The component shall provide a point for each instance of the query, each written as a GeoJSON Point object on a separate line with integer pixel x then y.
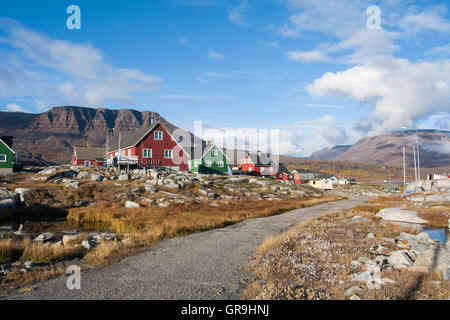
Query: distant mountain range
{"type": "Point", "coordinates": [387, 149]}
{"type": "Point", "coordinates": [53, 134]}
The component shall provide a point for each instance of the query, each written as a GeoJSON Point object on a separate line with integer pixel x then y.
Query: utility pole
{"type": "Point", "coordinates": [107, 145]}
{"type": "Point", "coordinates": [415, 164]}
{"type": "Point", "coordinates": [418, 159]}
{"type": "Point", "coordinates": [390, 185]}
{"type": "Point", "coordinates": [118, 160]}
{"type": "Point", "coordinates": [404, 169]}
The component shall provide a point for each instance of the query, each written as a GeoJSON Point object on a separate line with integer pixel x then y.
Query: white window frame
{"type": "Point", "coordinates": [214, 152]}
{"type": "Point", "coordinates": [262, 169]}
{"type": "Point", "coordinates": [221, 164]}
{"type": "Point", "coordinates": [168, 151]}
{"type": "Point", "coordinates": [4, 155]}
{"type": "Point", "coordinates": [147, 153]}
{"type": "Point", "coordinates": [250, 169]}
{"type": "Point", "coordinates": [208, 163]}
{"type": "Point", "coordinates": [158, 135]}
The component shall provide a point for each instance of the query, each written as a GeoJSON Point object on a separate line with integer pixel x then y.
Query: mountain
{"type": "Point", "coordinates": [52, 134]}
{"type": "Point", "coordinates": [387, 149]}
{"type": "Point", "coordinates": [330, 153]}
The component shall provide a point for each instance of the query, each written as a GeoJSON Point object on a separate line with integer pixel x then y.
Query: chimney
{"type": "Point", "coordinates": [208, 142]}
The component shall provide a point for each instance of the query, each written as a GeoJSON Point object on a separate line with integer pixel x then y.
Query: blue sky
{"type": "Point", "coordinates": [311, 69]}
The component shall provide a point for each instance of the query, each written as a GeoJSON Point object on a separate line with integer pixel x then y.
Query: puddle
{"type": "Point", "coordinates": [440, 234]}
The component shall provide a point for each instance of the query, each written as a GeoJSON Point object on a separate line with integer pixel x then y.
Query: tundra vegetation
{"type": "Point", "coordinates": [332, 257]}
{"type": "Point", "coordinates": [94, 217]}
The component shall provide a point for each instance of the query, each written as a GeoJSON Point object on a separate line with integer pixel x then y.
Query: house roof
{"type": "Point", "coordinates": [302, 170]}
{"type": "Point", "coordinates": [133, 138]}
{"type": "Point", "coordinates": [282, 168]}
{"type": "Point", "coordinates": [90, 153]}
{"type": "Point", "coordinates": [262, 159]}
{"type": "Point", "coordinates": [7, 146]}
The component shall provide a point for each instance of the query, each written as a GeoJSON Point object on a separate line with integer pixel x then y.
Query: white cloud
{"type": "Point", "coordinates": [441, 50]}
{"type": "Point", "coordinates": [237, 16]}
{"type": "Point", "coordinates": [14, 107]}
{"type": "Point", "coordinates": [62, 72]}
{"type": "Point", "coordinates": [308, 56]}
{"type": "Point", "coordinates": [429, 19]}
{"type": "Point", "coordinates": [400, 92]}
{"type": "Point", "coordinates": [215, 55]}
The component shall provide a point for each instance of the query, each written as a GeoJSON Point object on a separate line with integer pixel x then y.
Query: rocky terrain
{"type": "Point", "coordinates": [378, 251]}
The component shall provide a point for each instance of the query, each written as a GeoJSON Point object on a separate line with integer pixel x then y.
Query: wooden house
{"type": "Point", "coordinates": [89, 156]}
{"type": "Point", "coordinates": [150, 146]}
{"type": "Point", "coordinates": [6, 154]}
{"type": "Point", "coordinates": [208, 159]}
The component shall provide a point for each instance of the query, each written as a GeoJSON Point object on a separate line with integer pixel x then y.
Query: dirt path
{"type": "Point", "coordinates": [206, 265]}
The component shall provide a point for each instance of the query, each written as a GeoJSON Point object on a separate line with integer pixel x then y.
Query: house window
{"type": "Point", "coordinates": [208, 163]}
{"type": "Point", "coordinates": [147, 153]}
{"type": "Point", "coordinates": [270, 169]}
{"type": "Point", "coordinates": [87, 163]}
{"type": "Point", "coordinates": [262, 169]}
{"type": "Point", "coordinates": [196, 163]}
{"type": "Point", "coordinates": [250, 169]}
{"type": "Point", "coordinates": [214, 152]}
{"type": "Point", "coordinates": [220, 164]}
{"type": "Point", "coordinates": [168, 154]}
{"type": "Point", "coordinates": [2, 157]}
{"type": "Point", "coordinates": [158, 135]}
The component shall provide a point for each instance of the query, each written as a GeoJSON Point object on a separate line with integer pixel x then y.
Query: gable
{"type": "Point", "coordinates": [6, 147]}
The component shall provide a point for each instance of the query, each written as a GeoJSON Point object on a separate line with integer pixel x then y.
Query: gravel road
{"type": "Point", "coordinates": [207, 265]}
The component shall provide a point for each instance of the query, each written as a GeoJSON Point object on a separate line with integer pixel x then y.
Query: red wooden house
{"type": "Point", "coordinates": [150, 146]}
{"type": "Point", "coordinates": [89, 156]}
{"type": "Point", "coordinates": [263, 164]}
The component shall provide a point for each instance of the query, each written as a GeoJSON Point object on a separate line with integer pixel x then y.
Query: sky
{"type": "Point", "coordinates": [318, 72]}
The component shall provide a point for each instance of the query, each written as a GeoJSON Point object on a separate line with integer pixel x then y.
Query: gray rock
{"type": "Point", "coordinates": [4, 270]}
{"type": "Point", "coordinates": [360, 277]}
{"type": "Point", "coordinates": [97, 177]}
{"type": "Point", "coordinates": [355, 297]}
{"type": "Point", "coordinates": [48, 236]}
{"type": "Point", "coordinates": [131, 204]}
{"type": "Point", "coordinates": [8, 203]}
{"type": "Point", "coordinates": [29, 264]}
{"type": "Point", "coordinates": [239, 180]}
{"type": "Point", "coordinates": [353, 290]}
{"type": "Point", "coordinates": [83, 175]}
{"type": "Point", "coordinates": [400, 259]}
{"type": "Point", "coordinates": [447, 274]}
{"type": "Point", "coordinates": [436, 198]}
{"type": "Point", "coordinates": [74, 184]}
{"type": "Point", "coordinates": [358, 218]}
{"type": "Point", "coordinates": [68, 238]}
{"type": "Point", "coordinates": [401, 215]}
{"type": "Point", "coordinates": [124, 177]}
{"type": "Point", "coordinates": [138, 190]}
{"type": "Point", "coordinates": [371, 235]}
{"type": "Point", "coordinates": [89, 244]}
{"type": "Point", "coordinates": [57, 244]}
{"type": "Point", "coordinates": [99, 236]}
{"type": "Point", "coordinates": [151, 189]}
{"type": "Point", "coordinates": [24, 193]}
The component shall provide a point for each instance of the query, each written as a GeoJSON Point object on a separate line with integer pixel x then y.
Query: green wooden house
{"type": "Point", "coordinates": [6, 154]}
{"type": "Point", "coordinates": [208, 159]}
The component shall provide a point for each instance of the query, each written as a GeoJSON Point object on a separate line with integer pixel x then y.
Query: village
{"type": "Point", "coordinates": [116, 200]}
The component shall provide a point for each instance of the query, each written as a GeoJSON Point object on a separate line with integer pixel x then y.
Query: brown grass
{"type": "Point", "coordinates": [316, 254]}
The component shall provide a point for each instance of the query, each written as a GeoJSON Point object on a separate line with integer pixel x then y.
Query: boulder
{"type": "Point", "coordinates": [150, 188]}
{"type": "Point", "coordinates": [353, 290]}
{"type": "Point", "coordinates": [99, 236]}
{"type": "Point", "coordinates": [74, 184]}
{"type": "Point", "coordinates": [83, 175]}
{"type": "Point", "coordinates": [89, 244]}
{"type": "Point", "coordinates": [97, 177]}
{"type": "Point", "coordinates": [131, 204]}
{"type": "Point", "coordinates": [124, 177]}
{"type": "Point", "coordinates": [24, 193]}
{"type": "Point", "coordinates": [7, 202]}
{"type": "Point", "coordinates": [68, 238]}
{"type": "Point", "coordinates": [400, 259]}
{"type": "Point", "coordinates": [29, 264]}
{"type": "Point", "coordinates": [47, 171]}
{"type": "Point", "coordinates": [48, 236]}
{"type": "Point", "coordinates": [401, 215]}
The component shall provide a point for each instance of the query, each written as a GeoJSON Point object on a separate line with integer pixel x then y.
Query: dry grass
{"type": "Point", "coordinates": [149, 225]}
{"type": "Point", "coordinates": [27, 250]}
{"type": "Point", "coordinates": [317, 255]}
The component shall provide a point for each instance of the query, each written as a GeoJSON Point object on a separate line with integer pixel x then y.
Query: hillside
{"type": "Point", "coordinates": [387, 149]}
{"type": "Point", "coordinates": [330, 153]}
{"type": "Point", "coordinates": [52, 134]}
